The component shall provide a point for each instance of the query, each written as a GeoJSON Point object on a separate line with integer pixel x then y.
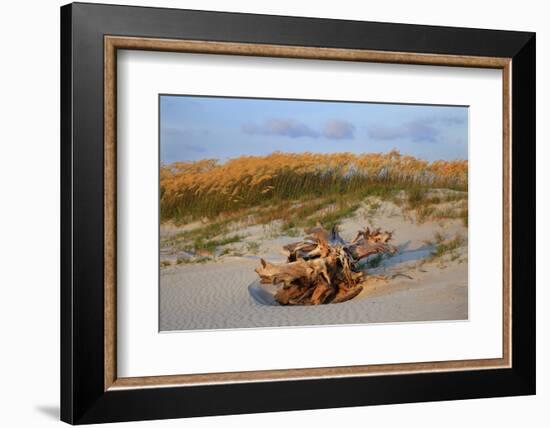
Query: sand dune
{"type": "Point", "coordinates": [215, 295]}
{"type": "Point", "coordinates": [194, 298]}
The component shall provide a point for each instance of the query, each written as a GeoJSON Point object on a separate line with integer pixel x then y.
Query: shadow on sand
{"type": "Point", "coordinates": [404, 255]}
{"type": "Point", "coordinates": [265, 294]}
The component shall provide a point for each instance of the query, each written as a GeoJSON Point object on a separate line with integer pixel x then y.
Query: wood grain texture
{"type": "Point", "coordinates": [297, 374]}
{"type": "Point", "coordinates": [507, 213]}
{"type": "Point", "coordinates": [110, 184]}
{"type": "Point", "coordinates": [112, 43]}
{"type": "Point", "coordinates": [301, 52]}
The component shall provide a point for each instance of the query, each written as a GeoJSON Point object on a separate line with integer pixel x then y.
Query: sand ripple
{"type": "Point", "coordinates": [215, 296]}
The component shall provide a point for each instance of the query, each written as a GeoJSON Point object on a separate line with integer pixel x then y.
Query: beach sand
{"type": "Point", "coordinates": [405, 288]}
{"type": "Point", "coordinates": [194, 298]}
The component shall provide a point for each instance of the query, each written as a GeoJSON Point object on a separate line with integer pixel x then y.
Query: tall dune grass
{"type": "Point", "coordinates": [207, 188]}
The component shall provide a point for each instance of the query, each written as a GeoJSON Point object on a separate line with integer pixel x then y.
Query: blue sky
{"type": "Point", "coordinates": [194, 127]}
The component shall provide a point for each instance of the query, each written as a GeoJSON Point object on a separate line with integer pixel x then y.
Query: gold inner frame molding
{"type": "Point", "coordinates": [113, 43]}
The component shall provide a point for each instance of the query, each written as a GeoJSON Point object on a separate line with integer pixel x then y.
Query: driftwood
{"type": "Point", "coordinates": [323, 267]}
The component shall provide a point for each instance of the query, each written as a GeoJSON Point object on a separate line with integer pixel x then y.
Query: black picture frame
{"type": "Point", "coordinates": [83, 397]}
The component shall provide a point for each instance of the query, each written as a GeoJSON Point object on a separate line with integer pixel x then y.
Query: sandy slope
{"type": "Point", "coordinates": [215, 295]}
{"type": "Point", "coordinates": [195, 298]}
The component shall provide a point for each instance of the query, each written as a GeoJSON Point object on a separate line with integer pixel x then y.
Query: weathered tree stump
{"type": "Point", "coordinates": [323, 267]}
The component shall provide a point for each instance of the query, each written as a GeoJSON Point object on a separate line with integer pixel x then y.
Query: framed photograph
{"type": "Point", "coordinates": [265, 213]}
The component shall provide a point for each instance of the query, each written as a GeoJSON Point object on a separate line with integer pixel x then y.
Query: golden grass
{"type": "Point", "coordinates": [206, 188]}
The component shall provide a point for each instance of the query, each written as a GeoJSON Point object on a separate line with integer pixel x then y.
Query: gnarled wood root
{"type": "Point", "coordinates": [322, 268]}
